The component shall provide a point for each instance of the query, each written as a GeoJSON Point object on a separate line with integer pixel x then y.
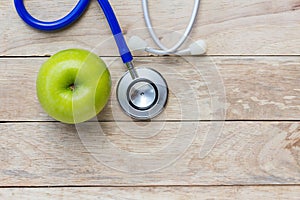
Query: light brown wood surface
{"type": "Point", "coordinates": [230, 130]}
{"type": "Point", "coordinates": [253, 88]}
{"type": "Point", "coordinates": [53, 154]}
{"type": "Point", "coordinates": [154, 193]}
{"type": "Point", "coordinates": [230, 27]}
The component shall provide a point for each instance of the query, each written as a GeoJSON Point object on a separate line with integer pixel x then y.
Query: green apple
{"type": "Point", "coordinates": [73, 85]}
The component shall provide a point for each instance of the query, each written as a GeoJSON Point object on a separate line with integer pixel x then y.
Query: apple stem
{"type": "Point", "coordinates": [72, 87]}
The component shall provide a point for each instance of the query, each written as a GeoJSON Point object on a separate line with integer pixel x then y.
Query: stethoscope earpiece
{"type": "Point", "coordinates": [196, 48]}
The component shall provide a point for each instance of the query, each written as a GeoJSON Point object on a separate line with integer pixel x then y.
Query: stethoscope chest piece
{"type": "Point", "coordinates": [144, 96]}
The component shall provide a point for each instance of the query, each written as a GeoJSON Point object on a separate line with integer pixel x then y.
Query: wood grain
{"type": "Point", "coordinates": [188, 152]}
{"type": "Point", "coordinates": [52, 154]}
{"type": "Point", "coordinates": [154, 193]}
{"type": "Point", "coordinates": [256, 27]}
{"type": "Point", "coordinates": [254, 88]}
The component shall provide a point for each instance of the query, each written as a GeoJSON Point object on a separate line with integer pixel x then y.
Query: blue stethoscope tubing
{"type": "Point", "coordinates": [73, 16]}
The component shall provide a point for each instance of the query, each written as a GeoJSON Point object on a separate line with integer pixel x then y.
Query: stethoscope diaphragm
{"type": "Point", "coordinates": [143, 97]}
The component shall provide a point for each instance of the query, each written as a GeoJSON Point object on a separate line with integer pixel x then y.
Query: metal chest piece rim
{"type": "Point", "coordinates": [144, 97]}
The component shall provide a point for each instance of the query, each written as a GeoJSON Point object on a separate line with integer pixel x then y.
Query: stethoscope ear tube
{"type": "Point", "coordinates": [54, 25]}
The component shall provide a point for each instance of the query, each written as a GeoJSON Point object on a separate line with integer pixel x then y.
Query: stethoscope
{"type": "Point", "coordinates": [142, 92]}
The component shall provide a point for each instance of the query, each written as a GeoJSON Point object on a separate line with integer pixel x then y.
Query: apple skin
{"type": "Point", "coordinates": [73, 85]}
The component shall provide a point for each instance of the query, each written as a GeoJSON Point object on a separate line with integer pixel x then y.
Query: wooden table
{"type": "Point", "coordinates": [252, 70]}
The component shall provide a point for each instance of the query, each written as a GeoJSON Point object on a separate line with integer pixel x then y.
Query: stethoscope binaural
{"type": "Point", "coordinates": [142, 92]}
